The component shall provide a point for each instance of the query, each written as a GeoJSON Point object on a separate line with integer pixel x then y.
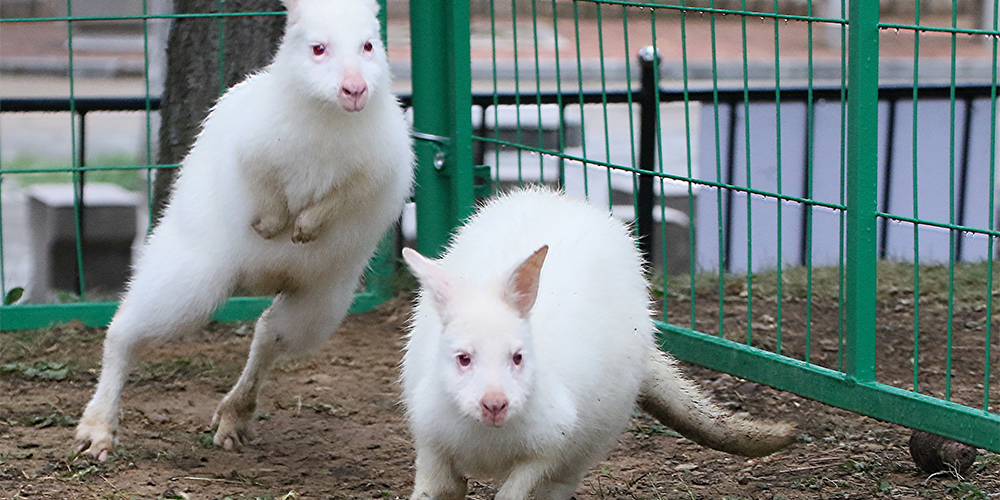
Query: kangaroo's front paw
{"type": "Point", "coordinates": [95, 437]}
{"type": "Point", "coordinates": [268, 226]}
{"type": "Point", "coordinates": [306, 229]}
{"type": "Point", "coordinates": [234, 427]}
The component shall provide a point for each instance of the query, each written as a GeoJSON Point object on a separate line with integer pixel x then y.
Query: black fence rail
{"type": "Point", "coordinates": [730, 101]}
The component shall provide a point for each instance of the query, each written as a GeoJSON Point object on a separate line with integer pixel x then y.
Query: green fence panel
{"type": "Point", "coordinates": [737, 295]}
{"type": "Point", "coordinates": [379, 281]}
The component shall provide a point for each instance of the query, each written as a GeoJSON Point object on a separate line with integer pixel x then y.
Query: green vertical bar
{"type": "Point", "coordinates": [3, 273]}
{"type": "Point", "coordinates": [916, 201]}
{"type": "Point", "coordinates": [442, 100]}
{"type": "Point", "coordinates": [631, 115]}
{"type": "Point", "coordinates": [149, 120]}
{"type": "Point", "coordinates": [221, 48]}
{"type": "Point", "coordinates": [720, 229]}
{"type": "Point", "coordinates": [992, 223]}
{"type": "Point", "coordinates": [777, 148]}
{"type": "Point", "coordinates": [748, 158]}
{"type": "Point", "coordinates": [690, 175]}
{"type": "Point", "coordinates": [953, 236]}
{"type": "Point", "coordinates": [862, 179]}
{"type": "Point", "coordinates": [810, 136]}
{"type": "Point", "coordinates": [378, 277]}
{"type": "Point", "coordinates": [77, 158]}
{"type": "Point", "coordinates": [538, 91]}
{"type": "Point", "coordinates": [496, 105]}
{"type": "Point", "coordinates": [517, 95]}
{"type": "Point", "coordinates": [604, 105]}
{"type": "Point", "coordinates": [383, 22]}
{"type": "Point", "coordinates": [842, 188]}
{"type": "Point", "coordinates": [579, 82]}
{"type": "Point", "coordinates": [559, 96]}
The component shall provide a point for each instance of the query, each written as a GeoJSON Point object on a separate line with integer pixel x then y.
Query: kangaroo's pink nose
{"type": "Point", "coordinates": [494, 406]}
{"type": "Point", "coordinates": [353, 93]}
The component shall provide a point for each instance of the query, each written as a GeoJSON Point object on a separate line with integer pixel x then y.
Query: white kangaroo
{"type": "Point", "coordinates": [297, 173]}
{"type": "Point", "coordinates": [531, 342]}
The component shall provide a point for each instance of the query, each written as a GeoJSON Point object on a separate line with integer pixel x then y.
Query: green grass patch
{"type": "Point", "coordinates": [174, 370]}
{"type": "Point", "coordinates": [44, 370]}
{"type": "Point", "coordinates": [130, 179]}
{"type": "Point", "coordinates": [63, 352]}
{"type": "Point", "coordinates": [896, 281]}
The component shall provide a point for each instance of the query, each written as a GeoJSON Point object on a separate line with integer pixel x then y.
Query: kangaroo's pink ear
{"type": "Point", "coordinates": [522, 286]}
{"type": "Point", "coordinates": [433, 279]}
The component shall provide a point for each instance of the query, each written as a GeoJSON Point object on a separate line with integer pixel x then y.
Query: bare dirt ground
{"type": "Point", "coordinates": [329, 426]}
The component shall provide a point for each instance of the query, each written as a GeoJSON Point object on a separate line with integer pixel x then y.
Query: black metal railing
{"type": "Point", "coordinates": [732, 100]}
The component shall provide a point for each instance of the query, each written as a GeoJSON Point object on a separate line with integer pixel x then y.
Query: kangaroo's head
{"type": "Point", "coordinates": [332, 50]}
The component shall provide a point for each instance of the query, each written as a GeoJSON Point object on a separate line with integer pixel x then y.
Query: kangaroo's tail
{"type": "Point", "coordinates": [679, 404]}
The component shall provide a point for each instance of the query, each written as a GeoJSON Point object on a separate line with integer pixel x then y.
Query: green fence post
{"type": "Point", "coordinates": [862, 180]}
{"type": "Point", "coordinates": [442, 118]}
{"type": "Point", "coordinates": [379, 286]}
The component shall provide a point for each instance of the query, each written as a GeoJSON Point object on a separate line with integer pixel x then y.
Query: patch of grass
{"type": "Point", "coordinates": [133, 180]}
{"type": "Point", "coordinates": [53, 419]}
{"type": "Point", "coordinates": [174, 370]}
{"type": "Point", "coordinates": [643, 430]}
{"type": "Point", "coordinates": [895, 284]}
{"type": "Point", "coordinates": [35, 353]}
{"type": "Point", "coordinates": [45, 370]}
{"type": "Point", "coordinates": [985, 461]}
{"type": "Point", "coordinates": [965, 491]}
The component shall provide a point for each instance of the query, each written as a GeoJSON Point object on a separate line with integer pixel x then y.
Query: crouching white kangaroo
{"type": "Point", "coordinates": [531, 343]}
{"type": "Point", "coordinates": [297, 173]}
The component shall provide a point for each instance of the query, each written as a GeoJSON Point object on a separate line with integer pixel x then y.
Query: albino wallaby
{"type": "Point", "coordinates": [314, 148]}
{"type": "Point", "coordinates": [530, 344]}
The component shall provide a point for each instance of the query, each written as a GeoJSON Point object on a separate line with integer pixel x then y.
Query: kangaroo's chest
{"type": "Point", "coordinates": [318, 163]}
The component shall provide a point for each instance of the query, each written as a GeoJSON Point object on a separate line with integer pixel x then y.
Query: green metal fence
{"type": "Point", "coordinates": [80, 302]}
{"type": "Point", "coordinates": [762, 153]}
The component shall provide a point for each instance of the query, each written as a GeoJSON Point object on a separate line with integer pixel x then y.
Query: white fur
{"type": "Point", "coordinates": [342, 177]}
{"type": "Point", "coordinates": [585, 344]}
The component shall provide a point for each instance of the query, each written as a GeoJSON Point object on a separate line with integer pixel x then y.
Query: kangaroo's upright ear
{"type": "Point", "coordinates": [292, 6]}
{"type": "Point", "coordinates": [435, 281]}
{"type": "Point", "coordinates": [373, 5]}
{"type": "Point", "coordinates": [522, 286]}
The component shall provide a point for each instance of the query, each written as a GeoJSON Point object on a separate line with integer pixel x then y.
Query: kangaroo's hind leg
{"type": "Point", "coordinates": [295, 323]}
{"type": "Point", "coordinates": [173, 290]}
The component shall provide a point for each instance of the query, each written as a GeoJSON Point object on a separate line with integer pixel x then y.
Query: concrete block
{"type": "Point", "coordinates": [109, 229]}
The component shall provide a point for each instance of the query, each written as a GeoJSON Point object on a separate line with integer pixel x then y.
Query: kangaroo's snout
{"type": "Point", "coordinates": [494, 405]}
{"type": "Point", "coordinates": [353, 93]}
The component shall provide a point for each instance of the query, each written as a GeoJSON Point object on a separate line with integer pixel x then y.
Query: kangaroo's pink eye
{"type": "Point", "coordinates": [516, 358]}
{"type": "Point", "coordinates": [318, 49]}
{"type": "Point", "coordinates": [464, 359]}
{"type": "Point", "coordinates": [369, 47]}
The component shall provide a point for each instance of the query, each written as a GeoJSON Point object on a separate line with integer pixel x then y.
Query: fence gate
{"type": "Point", "coordinates": [817, 202]}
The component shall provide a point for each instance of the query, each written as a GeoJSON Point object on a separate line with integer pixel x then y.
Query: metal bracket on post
{"type": "Point", "coordinates": [439, 142]}
{"type": "Point", "coordinates": [649, 100]}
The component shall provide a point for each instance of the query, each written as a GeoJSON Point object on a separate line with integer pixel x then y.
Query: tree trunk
{"type": "Point", "coordinates": [194, 70]}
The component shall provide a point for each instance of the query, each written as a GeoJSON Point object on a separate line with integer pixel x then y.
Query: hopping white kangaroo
{"type": "Point", "coordinates": [530, 345]}
{"type": "Point", "coordinates": [297, 173]}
